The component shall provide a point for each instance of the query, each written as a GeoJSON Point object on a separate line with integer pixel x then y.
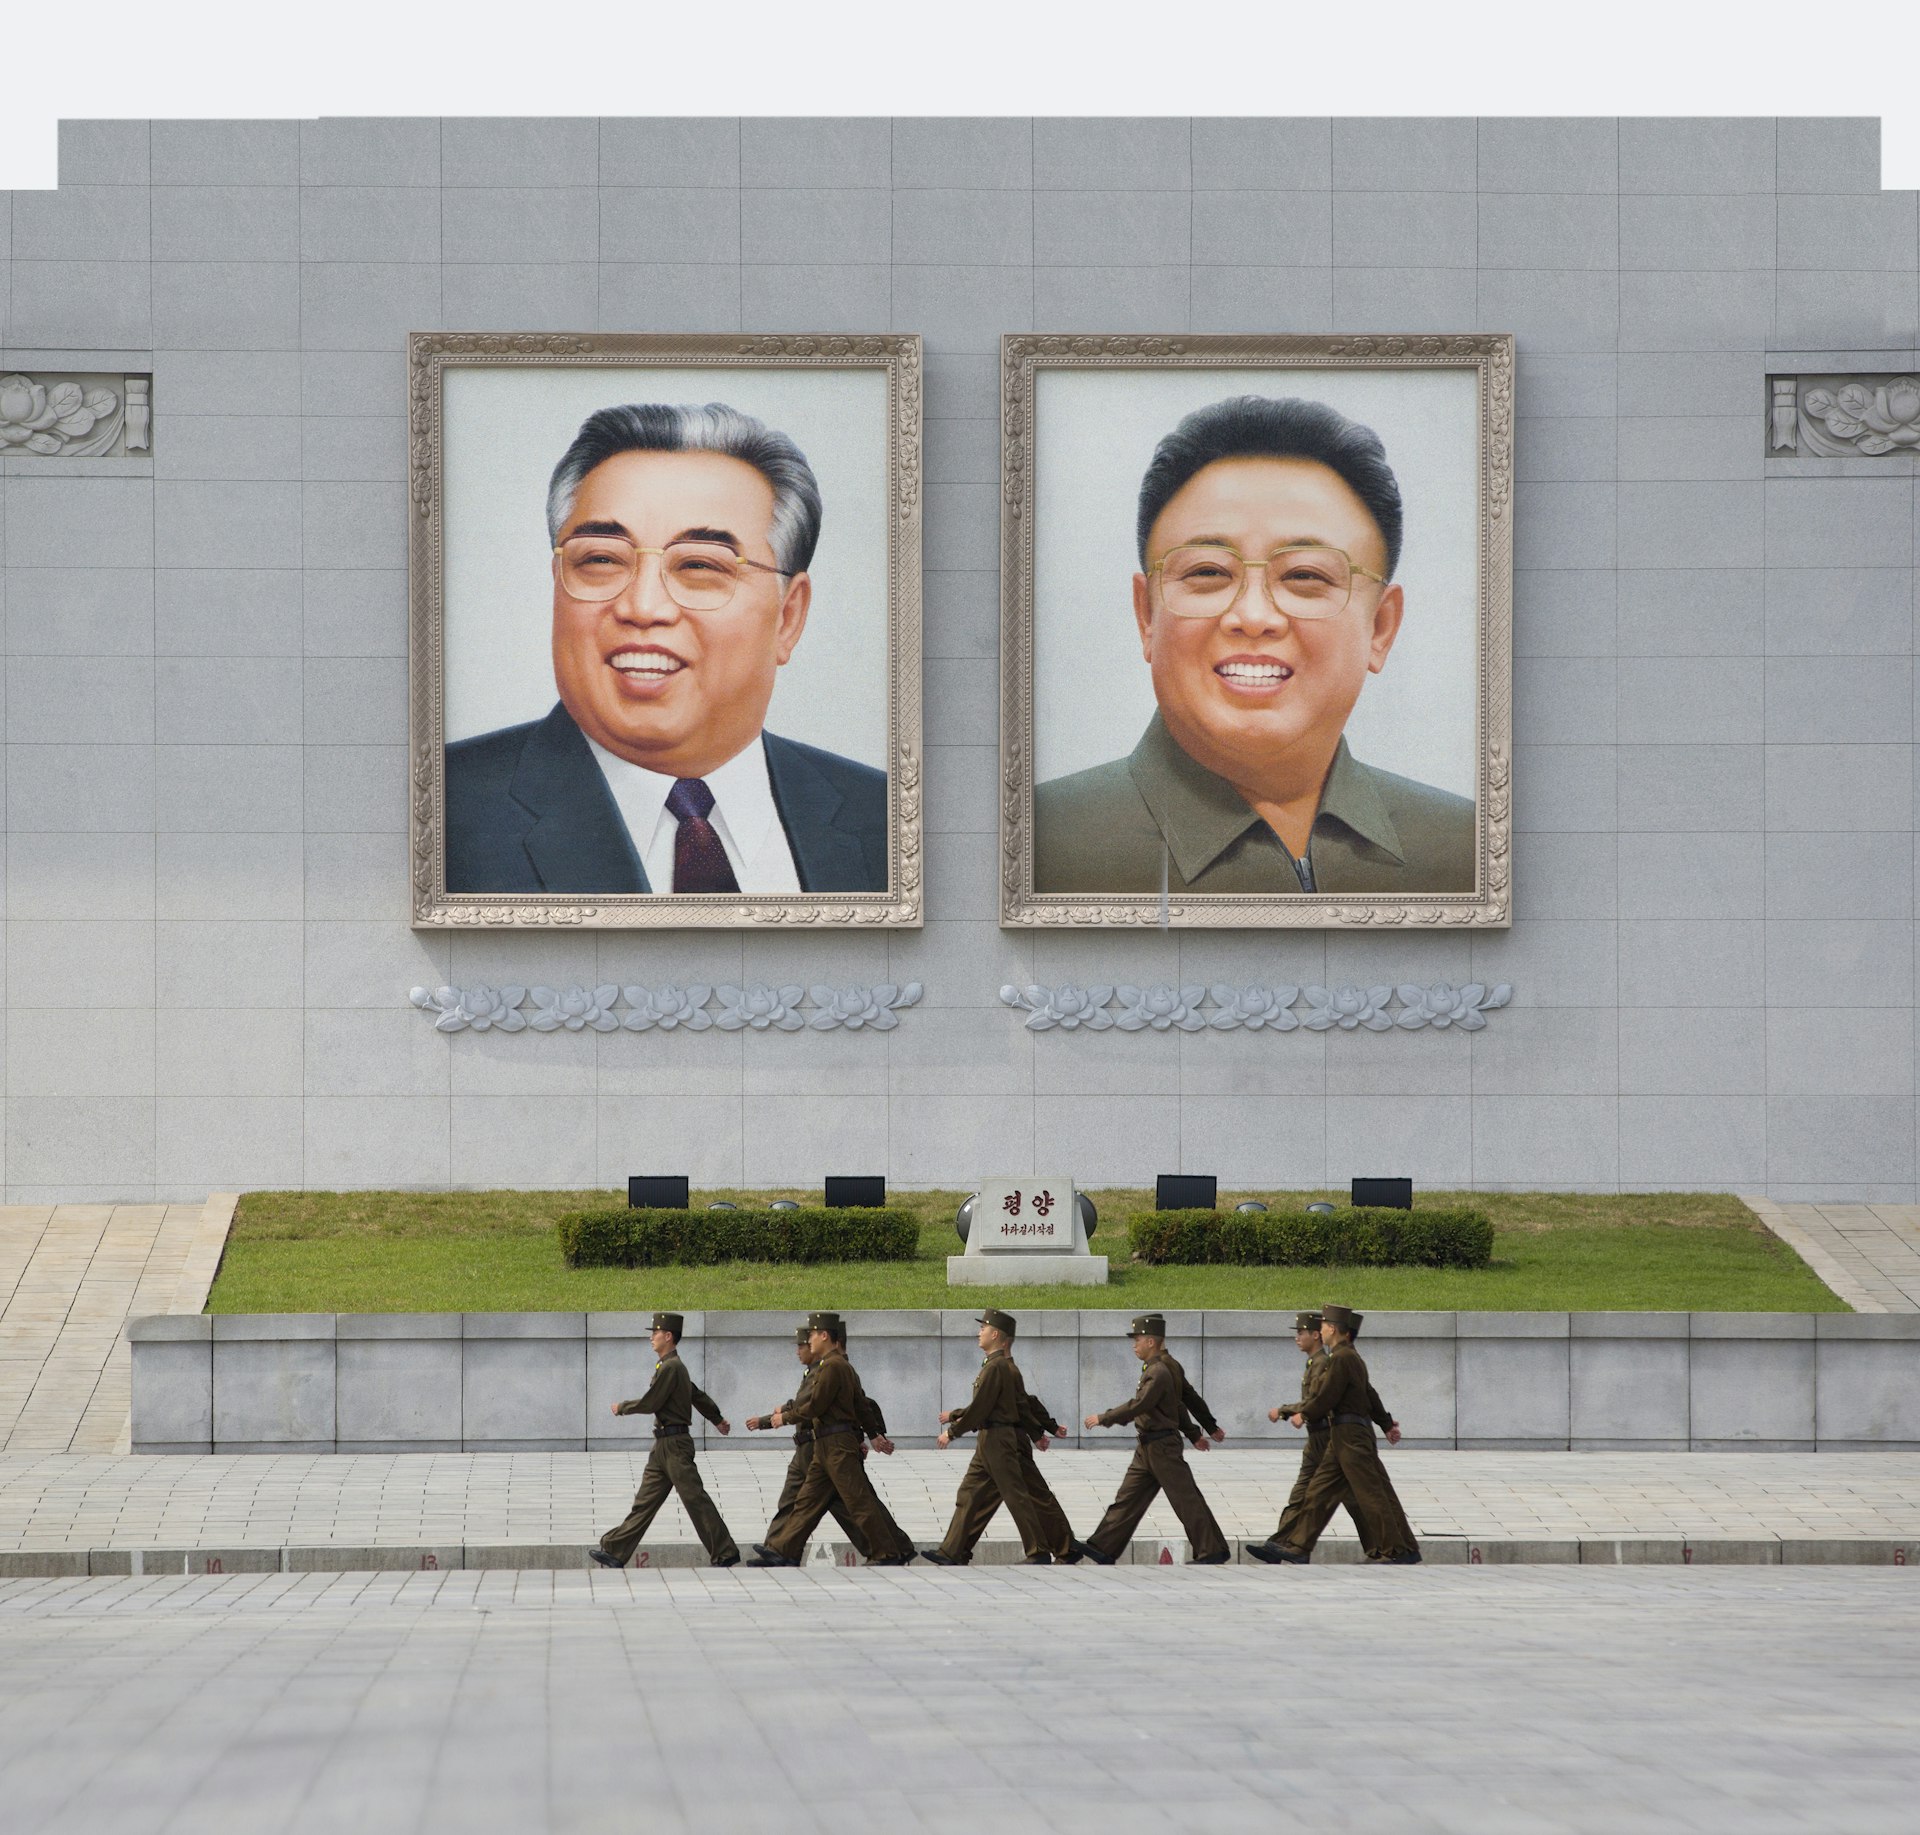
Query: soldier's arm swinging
{"type": "Point", "coordinates": [656, 1393]}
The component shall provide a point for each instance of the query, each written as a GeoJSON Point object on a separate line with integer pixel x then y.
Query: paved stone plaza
{"type": "Point", "coordinates": [541, 1509]}
{"type": "Point", "coordinates": [1869, 1254]}
{"type": "Point", "coordinates": [1005, 1699]}
{"type": "Point", "coordinates": [71, 1275]}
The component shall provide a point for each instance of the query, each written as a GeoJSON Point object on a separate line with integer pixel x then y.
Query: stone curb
{"type": "Point", "coordinates": [1440, 1551]}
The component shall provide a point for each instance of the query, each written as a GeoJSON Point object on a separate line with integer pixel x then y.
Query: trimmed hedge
{"type": "Point", "coordinates": [1350, 1237]}
{"type": "Point", "coordinates": [697, 1239]}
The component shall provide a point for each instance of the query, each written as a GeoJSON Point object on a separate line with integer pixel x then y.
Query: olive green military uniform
{"type": "Point", "coordinates": [1311, 1377]}
{"type": "Point", "coordinates": [997, 1472]}
{"type": "Point", "coordinates": [1349, 1470]}
{"type": "Point", "coordinates": [802, 1461]}
{"type": "Point", "coordinates": [835, 1405]}
{"type": "Point", "coordinates": [1037, 1419]}
{"type": "Point", "coordinates": [1159, 1461]}
{"type": "Point", "coordinates": [671, 1399]}
{"type": "Point", "coordinates": [1119, 826]}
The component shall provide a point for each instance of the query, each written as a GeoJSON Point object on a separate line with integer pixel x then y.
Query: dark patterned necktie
{"type": "Point", "coordinates": [700, 861]}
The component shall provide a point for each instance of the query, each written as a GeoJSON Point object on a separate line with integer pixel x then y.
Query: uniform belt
{"type": "Point", "coordinates": [836, 1427]}
{"type": "Point", "coordinates": [1352, 1420]}
{"type": "Point", "coordinates": [1158, 1433]}
{"type": "Point", "coordinates": [670, 1433]}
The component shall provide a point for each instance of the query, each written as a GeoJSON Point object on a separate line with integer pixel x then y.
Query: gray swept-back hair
{"type": "Point", "coordinates": [656, 427]}
{"type": "Point", "coordinates": [1268, 427]}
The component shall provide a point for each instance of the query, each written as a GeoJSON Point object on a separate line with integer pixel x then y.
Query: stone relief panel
{"type": "Point", "coordinates": [754, 1008]}
{"type": "Point", "coordinates": [59, 414]}
{"type": "Point", "coordinates": [1282, 1009]}
{"type": "Point", "coordinates": [1870, 415]}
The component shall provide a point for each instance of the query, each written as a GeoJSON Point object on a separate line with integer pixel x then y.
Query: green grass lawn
{"type": "Point", "coordinates": [496, 1252]}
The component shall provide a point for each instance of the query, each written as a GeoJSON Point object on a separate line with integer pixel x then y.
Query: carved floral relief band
{"type": "Point", "coordinates": [51, 414]}
{"type": "Point", "coordinates": [1870, 415]}
{"type": "Point", "coordinates": [1223, 1008]}
{"type": "Point", "coordinates": [1105, 824]}
{"type": "Point", "coordinates": [756, 1007]}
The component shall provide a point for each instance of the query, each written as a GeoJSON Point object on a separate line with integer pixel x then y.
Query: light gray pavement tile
{"type": "Point", "coordinates": [1869, 1254]}
{"type": "Point", "coordinates": [956, 1701]}
{"type": "Point", "coordinates": [557, 1502]}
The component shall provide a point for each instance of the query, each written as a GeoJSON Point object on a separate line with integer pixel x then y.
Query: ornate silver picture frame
{"type": "Point", "coordinates": [1197, 618]}
{"type": "Point", "coordinates": [665, 619]}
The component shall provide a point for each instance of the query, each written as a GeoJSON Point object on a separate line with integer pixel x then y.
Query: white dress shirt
{"type": "Point", "coordinates": [744, 816]}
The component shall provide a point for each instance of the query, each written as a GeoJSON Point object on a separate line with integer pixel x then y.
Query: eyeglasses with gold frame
{"type": "Point", "coordinates": [1305, 580]}
{"type": "Point", "coordinates": [698, 576]}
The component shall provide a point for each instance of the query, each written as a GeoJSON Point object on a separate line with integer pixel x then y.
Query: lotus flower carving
{"type": "Point", "coordinates": [760, 1008]}
{"type": "Point", "coordinates": [1068, 1007]}
{"type": "Point", "coordinates": [1161, 1009]}
{"type": "Point", "coordinates": [50, 418]}
{"type": "Point", "coordinates": [669, 1008]}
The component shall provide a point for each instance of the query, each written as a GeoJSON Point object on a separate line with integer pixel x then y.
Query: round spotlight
{"type": "Point", "coordinates": [1089, 1215]}
{"type": "Point", "coordinates": [1322, 1209]}
{"type": "Point", "coordinates": [722, 1204]}
{"type": "Point", "coordinates": [1253, 1205]}
{"type": "Point", "coordinates": [783, 1204]}
{"type": "Point", "coordinates": [963, 1218]}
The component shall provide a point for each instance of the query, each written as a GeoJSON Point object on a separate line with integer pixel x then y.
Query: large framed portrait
{"type": "Point", "coordinates": [1256, 648]}
{"type": "Point", "coordinates": [665, 656]}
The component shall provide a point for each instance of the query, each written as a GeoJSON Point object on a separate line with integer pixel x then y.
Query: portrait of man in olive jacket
{"type": "Point", "coordinates": [1269, 531]}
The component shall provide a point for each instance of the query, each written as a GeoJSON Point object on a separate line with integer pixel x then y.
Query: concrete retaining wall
{"type": "Point", "coordinates": [526, 1382]}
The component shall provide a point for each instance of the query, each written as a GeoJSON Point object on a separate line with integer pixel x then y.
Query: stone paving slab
{"type": "Point", "coordinates": [443, 1510]}
{"type": "Point", "coordinates": [1869, 1254]}
{"type": "Point", "coordinates": [884, 1702]}
{"type": "Point", "coordinates": [71, 1276]}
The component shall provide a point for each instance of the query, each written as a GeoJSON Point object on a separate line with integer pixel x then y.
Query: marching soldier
{"type": "Point", "coordinates": [1157, 1412]}
{"type": "Point", "coordinates": [1306, 1339]}
{"type": "Point", "coordinates": [803, 1454]}
{"type": "Point", "coordinates": [1349, 1469]}
{"type": "Point", "coordinates": [837, 1408]}
{"type": "Point", "coordinates": [997, 1473]}
{"type": "Point", "coordinates": [671, 1399]}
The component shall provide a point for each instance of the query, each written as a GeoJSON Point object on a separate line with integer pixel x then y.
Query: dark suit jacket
{"type": "Point", "coordinates": [529, 810]}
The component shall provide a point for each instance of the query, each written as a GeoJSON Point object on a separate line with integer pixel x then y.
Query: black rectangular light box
{"type": "Point", "coordinates": [1186, 1191]}
{"type": "Point", "coordinates": [856, 1193]}
{"type": "Point", "coordinates": [656, 1194]}
{"type": "Point", "coordinates": [1384, 1194]}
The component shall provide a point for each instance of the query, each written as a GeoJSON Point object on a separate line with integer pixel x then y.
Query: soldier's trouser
{"type": "Point", "coordinates": [839, 1472]}
{"type": "Point", "coordinates": [1053, 1520]}
{"type": "Point", "coordinates": [671, 1468]}
{"type": "Point", "coordinates": [1350, 1473]}
{"type": "Point", "coordinates": [997, 1474]}
{"type": "Point", "coordinates": [1157, 1465]}
{"type": "Point", "coordinates": [797, 1469]}
{"type": "Point", "coordinates": [1294, 1509]}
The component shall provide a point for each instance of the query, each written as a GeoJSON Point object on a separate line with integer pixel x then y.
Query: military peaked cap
{"type": "Point", "coordinates": [1001, 1322]}
{"type": "Point", "coordinates": [670, 1322]}
{"type": "Point", "coordinates": [826, 1322]}
{"type": "Point", "coordinates": [1342, 1316]}
{"type": "Point", "coordinates": [801, 1333]}
{"type": "Point", "coordinates": [1306, 1322]}
{"type": "Point", "coordinates": [1148, 1325]}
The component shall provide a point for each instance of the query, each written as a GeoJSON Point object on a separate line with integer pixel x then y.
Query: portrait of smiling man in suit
{"type": "Point", "coordinates": [681, 539]}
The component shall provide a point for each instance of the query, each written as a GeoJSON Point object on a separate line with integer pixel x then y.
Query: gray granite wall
{"type": "Point", "coordinates": [207, 953]}
{"type": "Point", "coordinates": [531, 1382]}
